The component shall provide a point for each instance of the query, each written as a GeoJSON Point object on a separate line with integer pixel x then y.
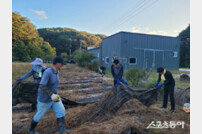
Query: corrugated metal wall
{"type": "Point", "coordinates": [155, 48]}
{"type": "Point", "coordinates": [97, 53]}
{"type": "Point", "coordinates": [111, 46]}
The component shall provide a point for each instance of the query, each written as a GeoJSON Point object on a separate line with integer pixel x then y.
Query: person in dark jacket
{"type": "Point", "coordinates": [117, 72]}
{"type": "Point", "coordinates": [37, 70]}
{"type": "Point", "coordinates": [102, 70]}
{"type": "Point", "coordinates": [169, 85]}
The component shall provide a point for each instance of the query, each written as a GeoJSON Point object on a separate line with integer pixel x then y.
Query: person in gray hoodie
{"type": "Point", "coordinates": [117, 72]}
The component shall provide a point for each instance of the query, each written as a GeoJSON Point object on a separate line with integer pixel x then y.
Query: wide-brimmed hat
{"type": "Point", "coordinates": [37, 61]}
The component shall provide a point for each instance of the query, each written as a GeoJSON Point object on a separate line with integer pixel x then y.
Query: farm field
{"type": "Point", "coordinates": [133, 115]}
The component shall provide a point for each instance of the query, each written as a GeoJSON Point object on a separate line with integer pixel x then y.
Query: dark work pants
{"type": "Point", "coordinates": [33, 106]}
{"type": "Point", "coordinates": [169, 90]}
{"type": "Point", "coordinates": [114, 82]}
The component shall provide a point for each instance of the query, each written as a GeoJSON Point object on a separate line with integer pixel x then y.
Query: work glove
{"type": "Point", "coordinates": [55, 97]}
{"type": "Point", "coordinates": [117, 81]}
{"type": "Point", "coordinates": [156, 85]}
{"type": "Point", "coordinates": [159, 86]}
{"type": "Point", "coordinates": [20, 79]}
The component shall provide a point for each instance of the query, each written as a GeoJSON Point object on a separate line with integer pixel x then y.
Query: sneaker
{"type": "Point", "coordinates": [172, 111]}
{"type": "Point", "coordinates": [165, 108]}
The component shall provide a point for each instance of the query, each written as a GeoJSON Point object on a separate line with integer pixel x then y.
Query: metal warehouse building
{"type": "Point", "coordinates": [97, 52]}
{"type": "Point", "coordinates": [139, 50]}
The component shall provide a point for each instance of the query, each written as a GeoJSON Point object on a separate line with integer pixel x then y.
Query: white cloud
{"type": "Point", "coordinates": [152, 32]}
{"type": "Point", "coordinates": [158, 32]}
{"type": "Point", "coordinates": [148, 30]}
{"type": "Point", "coordinates": [177, 31]}
{"type": "Point", "coordinates": [135, 30]}
{"type": "Point", "coordinates": [41, 14]}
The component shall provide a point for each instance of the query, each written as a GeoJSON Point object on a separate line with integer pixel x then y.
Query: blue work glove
{"type": "Point", "coordinates": [117, 81]}
{"type": "Point", "coordinates": [156, 85]}
{"type": "Point", "coordinates": [159, 86]}
{"type": "Point", "coordinates": [20, 79]}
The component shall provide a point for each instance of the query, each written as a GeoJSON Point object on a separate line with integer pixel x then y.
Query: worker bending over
{"type": "Point", "coordinates": [117, 72]}
{"type": "Point", "coordinates": [169, 85]}
{"type": "Point", "coordinates": [37, 70]}
{"type": "Point", "coordinates": [102, 70]}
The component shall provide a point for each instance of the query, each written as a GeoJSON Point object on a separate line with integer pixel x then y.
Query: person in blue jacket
{"type": "Point", "coordinates": [37, 70]}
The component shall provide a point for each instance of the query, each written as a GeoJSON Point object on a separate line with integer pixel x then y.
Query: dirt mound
{"type": "Point", "coordinates": [118, 111]}
{"type": "Point", "coordinates": [132, 117]}
{"type": "Point", "coordinates": [108, 106]}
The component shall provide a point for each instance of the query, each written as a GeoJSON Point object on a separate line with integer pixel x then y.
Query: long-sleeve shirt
{"type": "Point", "coordinates": [35, 73]}
{"type": "Point", "coordinates": [30, 73]}
{"type": "Point", "coordinates": [48, 85]}
{"type": "Point", "coordinates": [169, 80]}
{"type": "Point", "coordinates": [117, 72]}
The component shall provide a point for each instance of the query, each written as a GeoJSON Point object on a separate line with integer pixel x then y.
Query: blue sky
{"type": "Point", "coordinates": [163, 17]}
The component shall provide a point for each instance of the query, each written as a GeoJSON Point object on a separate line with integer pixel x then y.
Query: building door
{"type": "Point", "coordinates": [148, 58]}
{"type": "Point", "coordinates": [168, 61]}
{"type": "Point", "coordinates": [159, 57]}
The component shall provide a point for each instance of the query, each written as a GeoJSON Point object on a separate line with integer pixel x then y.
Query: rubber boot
{"type": "Point", "coordinates": [32, 126]}
{"type": "Point", "coordinates": [61, 125]}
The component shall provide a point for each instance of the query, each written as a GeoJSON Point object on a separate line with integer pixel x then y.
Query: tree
{"type": "Point", "coordinates": [68, 40]}
{"type": "Point", "coordinates": [27, 45]}
{"type": "Point", "coordinates": [48, 50]}
{"type": "Point", "coordinates": [148, 71]}
{"type": "Point", "coordinates": [22, 29]}
{"type": "Point", "coordinates": [34, 51]}
{"type": "Point", "coordinates": [185, 47]}
{"type": "Point", "coordinates": [20, 52]}
{"type": "Point", "coordinates": [64, 56]}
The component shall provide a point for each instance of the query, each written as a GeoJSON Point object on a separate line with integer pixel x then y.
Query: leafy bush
{"type": "Point", "coordinates": [151, 84]}
{"type": "Point", "coordinates": [93, 66]}
{"type": "Point", "coordinates": [135, 76]}
{"type": "Point", "coordinates": [83, 58]}
{"type": "Point", "coordinates": [108, 73]}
